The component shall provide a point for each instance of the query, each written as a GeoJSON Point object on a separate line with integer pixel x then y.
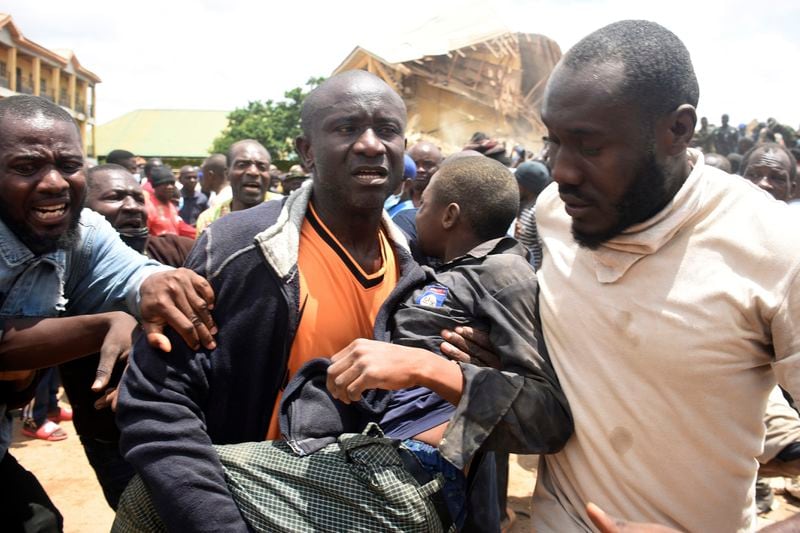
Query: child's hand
{"type": "Point", "coordinates": [367, 364]}
{"type": "Point", "coordinates": [469, 345]}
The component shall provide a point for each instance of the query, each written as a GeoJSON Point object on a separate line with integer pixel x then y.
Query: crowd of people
{"type": "Point", "coordinates": [730, 144]}
{"type": "Point", "coordinates": [359, 343]}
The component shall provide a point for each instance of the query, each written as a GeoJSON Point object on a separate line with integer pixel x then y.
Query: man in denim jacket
{"type": "Point", "coordinates": [57, 258]}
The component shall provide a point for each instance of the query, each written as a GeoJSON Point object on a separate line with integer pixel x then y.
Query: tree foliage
{"type": "Point", "coordinates": [273, 124]}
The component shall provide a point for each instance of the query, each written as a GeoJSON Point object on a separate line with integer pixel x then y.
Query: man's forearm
{"type": "Point", "coordinates": [31, 343]}
{"type": "Point", "coordinates": [163, 437]}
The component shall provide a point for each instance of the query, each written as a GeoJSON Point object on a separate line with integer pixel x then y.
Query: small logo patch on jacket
{"type": "Point", "coordinates": [433, 295]}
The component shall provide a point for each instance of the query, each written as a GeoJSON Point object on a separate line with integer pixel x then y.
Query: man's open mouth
{"type": "Point", "coordinates": [131, 223]}
{"type": "Point", "coordinates": [50, 213]}
{"type": "Point", "coordinates": [371, 175]}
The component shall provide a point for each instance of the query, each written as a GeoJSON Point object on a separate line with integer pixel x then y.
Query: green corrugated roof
{"type": "Point", "coordinates": [162, 132]}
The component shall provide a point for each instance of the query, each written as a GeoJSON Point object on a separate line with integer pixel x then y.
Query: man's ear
{"type": "Point", "coordinates": [677, 129]}
{"type": "Point", "coordinates": [451, 216]}
{"type": "Point", "coordinates": [303, 147]}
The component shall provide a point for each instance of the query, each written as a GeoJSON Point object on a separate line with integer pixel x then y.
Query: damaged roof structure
{"type": "Point", "coordinates": [456, 81]}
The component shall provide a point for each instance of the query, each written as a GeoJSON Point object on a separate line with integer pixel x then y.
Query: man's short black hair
{"type": "Point", "coordinates": [484, 189]}
{"type": "Point", "coordinates": [658, 72]}
{"type": "Point", "coordinates": [770, 147]}
{"type": "Point", "coordinates": [217, 162]}
{"type": "Point", "coordinates": [118, 157]}
{"type": "Point", "coordinates": [27, 106]}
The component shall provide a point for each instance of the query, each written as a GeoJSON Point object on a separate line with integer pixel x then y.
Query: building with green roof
{"type": "Point", "coordinates": [179, 136]}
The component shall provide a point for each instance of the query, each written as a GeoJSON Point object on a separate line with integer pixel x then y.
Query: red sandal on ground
{"type": "Point", "coordinates": [64, 414]}
{"type": "Point", "coordinates": [48, 431]}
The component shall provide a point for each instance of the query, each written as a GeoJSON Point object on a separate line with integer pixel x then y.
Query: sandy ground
{"type": "Point", "coordinates": [65, 473]}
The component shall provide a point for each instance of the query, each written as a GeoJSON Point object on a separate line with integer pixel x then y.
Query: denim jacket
{"type": "Point", "coordinates": [100, 273]}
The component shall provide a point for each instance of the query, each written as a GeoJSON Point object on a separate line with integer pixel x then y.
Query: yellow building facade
{"type": "Point", "coordinates": [29, 68]}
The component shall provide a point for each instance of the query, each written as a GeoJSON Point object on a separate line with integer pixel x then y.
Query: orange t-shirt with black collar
{"type": "Point", "coordinates": [338, 300]}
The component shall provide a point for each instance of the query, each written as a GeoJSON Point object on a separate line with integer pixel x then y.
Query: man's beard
{"type": "Point", "coordinates": [647, 195]}
{"type": "Point", "coordinates": [39, 244]}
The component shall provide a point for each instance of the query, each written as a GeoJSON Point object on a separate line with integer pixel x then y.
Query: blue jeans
{"type": "Point", "coordinates": [46, 399]}
{"type": "Point", "coordinates": [112, 471]}
{"type": "Point", "coordinates": [455, 483]}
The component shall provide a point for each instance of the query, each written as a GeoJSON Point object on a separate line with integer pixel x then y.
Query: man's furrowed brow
{"type": "Point", "coordinates": [391, 119]}
{"type": "Point", "coordinates": [341, 115]}
{"type": "Point", "coordinates": [25, 152]}
{"type": "Point", "coordinates": [35, 151]}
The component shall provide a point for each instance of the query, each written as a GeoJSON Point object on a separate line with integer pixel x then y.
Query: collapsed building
{"type": "Point", "coordinates": [455, 87]}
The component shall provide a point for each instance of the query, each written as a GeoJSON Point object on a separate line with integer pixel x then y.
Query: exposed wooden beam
{"type": "Point", "coordinates": [358, 64]}
{"type": "Point", "coordinates": [491, 49]}
{"type": "Point", "coordinates": [452, 67]}
{"type": "Point", "coordinates": [510, 47]}
{"type": "Point", "coordinates": [386, 76]}
{"type": "Point", "coordinates": [539, 83]}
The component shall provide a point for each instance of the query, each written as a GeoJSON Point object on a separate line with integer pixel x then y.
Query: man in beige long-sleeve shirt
{"type": "Point", "coordinates": [669, 296]}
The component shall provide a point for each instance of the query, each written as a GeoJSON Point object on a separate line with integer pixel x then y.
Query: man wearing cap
{"type": "Point", "coordinates": [532, 178]}
{"type": "Point", "coordinates": [162, 214]}
{"type": "Point", "coordinates": [292, 180]}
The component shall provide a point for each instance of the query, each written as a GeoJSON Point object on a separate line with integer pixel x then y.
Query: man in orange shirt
{"type": "Point", "coordinates": [295, 279]}
{"type": "Point", "coordinates": [303, 288]}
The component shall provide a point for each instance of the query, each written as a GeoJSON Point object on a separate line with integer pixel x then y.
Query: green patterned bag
{"type": "Point", "coordinates": [356, 484]}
